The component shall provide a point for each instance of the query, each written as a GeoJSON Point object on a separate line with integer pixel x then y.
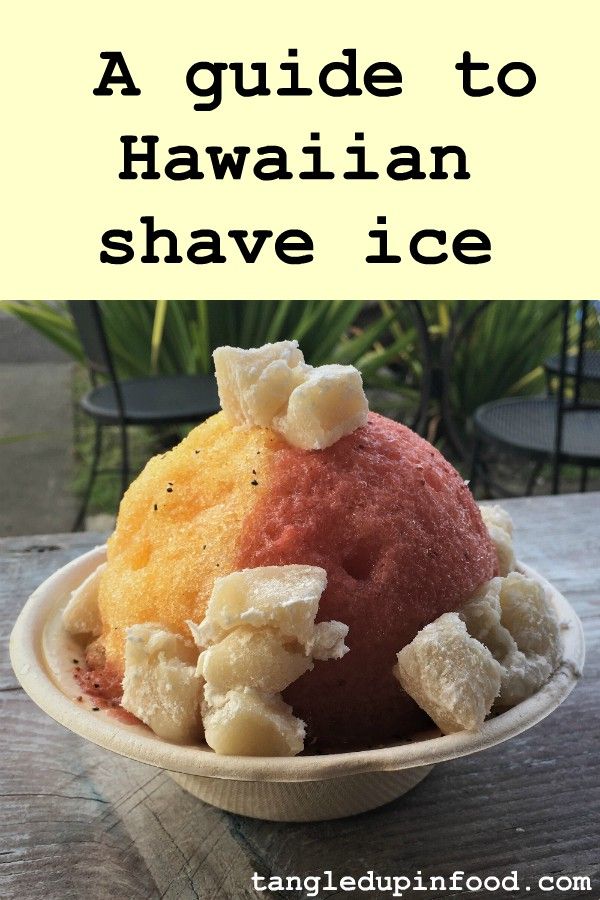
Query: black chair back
{"type": "Point", "coordinates": [87, 317]}
{"type": "Point", "coordinates": [567, 402]}
{"type": "Point", "coordinates": [577, 372]}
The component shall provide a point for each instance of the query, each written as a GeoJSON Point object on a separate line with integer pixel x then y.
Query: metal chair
{"type": "Point", "coordinates": [585, 364]}
{"type": "Point", "coordinates": [559, 428]}
{"type": "Point", "coordinates": [160, 400]}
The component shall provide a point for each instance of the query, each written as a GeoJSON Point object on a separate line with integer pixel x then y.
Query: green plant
{"type": "Point", "coordinates": [170, 337]}
{"type": "Point", "coordinates": [179, 336]}
{"type": "Point", "coordinates": [482, 351]}
{"type": "Point", "coordinates": [502, 354]}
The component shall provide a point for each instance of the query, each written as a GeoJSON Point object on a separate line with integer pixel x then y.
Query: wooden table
{"type": "Point", "coordinates": [80, 822]}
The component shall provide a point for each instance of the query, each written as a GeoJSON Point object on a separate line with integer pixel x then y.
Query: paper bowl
{"type": "Point", "coordinates": [301, 788]}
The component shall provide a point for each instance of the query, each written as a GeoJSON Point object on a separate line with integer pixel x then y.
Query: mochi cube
{"type": "Point", "coordinates": [482, 617]}
{"type": "Point", "coordinates": [260, 635]}
{"type": "Point", "coordinates": [529, 617]}
{"type": "Point", "coordinates": [500, 529]}
{"type": "Point", "coordinates": [247, 657]}
{"type": "Point", "coordinates": [285, 598]}
{"type": "Point", "coordinates": [327, 405]}
{"type": "Point", "coordinates": [273, 387]}
{"type": "Point", "coordinates": [452, 676]}
{"type": "Point", "coordinates": [254, 385]}
{"type": "Point", "coordinates": [495, 515]}
{"type": "Point", "coordinates": [327, 641]}
{"type": "Point", "coordinates": [81, 615]}
{"type": "Point", "coordinates": [160, 685]}
{"type": "Point", "coordinates": [502, 541]}
{"type": "Point", "coordinates": [533, 623]}
{"type": "Point", "coordinates": [513, 618]}
{"type": "Point", "coordinates": [251, 723]}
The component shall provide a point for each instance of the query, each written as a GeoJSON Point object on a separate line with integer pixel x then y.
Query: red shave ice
{"type": "Point", "coordinates": [402, 542]}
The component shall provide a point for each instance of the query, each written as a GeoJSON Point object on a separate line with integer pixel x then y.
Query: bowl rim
{"type": "Point", "coordinates": [139, 743]}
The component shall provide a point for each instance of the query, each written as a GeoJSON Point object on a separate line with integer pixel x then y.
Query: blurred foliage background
{"type": "Point", "coordinates": [502, 353]}
{"type": "Point", "coordinates": [454, 355]}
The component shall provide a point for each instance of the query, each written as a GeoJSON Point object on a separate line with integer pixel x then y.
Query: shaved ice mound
{"type": "Point", "coordinates": [402, 541]}
{"type": "Point", "coordinates": [178, 529]}
{"type": "Point", "coordinates": [388, 518]}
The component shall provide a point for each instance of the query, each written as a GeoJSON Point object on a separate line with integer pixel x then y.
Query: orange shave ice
{"type": "Point", "coordinates": [388, 518]}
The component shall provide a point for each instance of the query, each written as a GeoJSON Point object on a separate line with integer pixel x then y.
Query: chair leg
{"type": "Point", "coordinates": [79, 520]}
{"type": "Point", "coordinates": [583, 477]}
{"type": "Point", "coordinates": [474, 465]}
{"type": "Point", "coordinates": [537, 468]}
{"type": "Point", "coordinates": [124, 459]}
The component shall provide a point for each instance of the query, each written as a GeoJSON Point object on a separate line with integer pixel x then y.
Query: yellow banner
{"type": "Point", "coordinates": [312, 150]}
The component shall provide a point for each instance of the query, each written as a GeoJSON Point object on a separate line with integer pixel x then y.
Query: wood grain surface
{"type": "Point", "coordinates": [79, 822]}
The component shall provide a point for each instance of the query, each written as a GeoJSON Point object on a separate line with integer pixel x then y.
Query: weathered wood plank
{"type": "Point", "coordinates": [78, 821]}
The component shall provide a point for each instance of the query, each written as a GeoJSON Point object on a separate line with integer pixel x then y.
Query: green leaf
{"type": "Point", "coordinates": [158, 327]}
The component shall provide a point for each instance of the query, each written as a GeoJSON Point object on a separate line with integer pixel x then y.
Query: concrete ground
{"type": "Point", "coordinates": [36, 433]}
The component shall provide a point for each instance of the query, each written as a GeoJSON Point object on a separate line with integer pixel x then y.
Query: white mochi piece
{"type": "Point", "coordinates": [273, 387]}
{"type": "Point", "coordinates": [514, 619]}
{"type": "Point", "coordinates": [285, 598]}
{"type": "Point", "coordinates": [255, 658]}
{"type": "Point", "coordinates": [258, 636]}
{"type": "Point", "coordinates": [496, 515]}
{"type": "Point", "coordinates": [533, 623]}
{"type": "Point", "coordinates": [327, 641]}
{"type": "Point", "coordinates": [482, 616]}
{"type": "Point", "coordinates": [328, 405]}
{"type": "Point", "coordinates": [81, 615]}
{"type": "Point", "coordinates": [509, 620]}
{"type": "Point", "coordinates": [160, 685]}
{"type": "Point", "coordinates": [255, 385]}
{"type": "Point", "coordinates": [248, 722]}
{"type": "Point", "coordinates": [451, 675]}
{"type": "Point", "coordinates": [500, 529]}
